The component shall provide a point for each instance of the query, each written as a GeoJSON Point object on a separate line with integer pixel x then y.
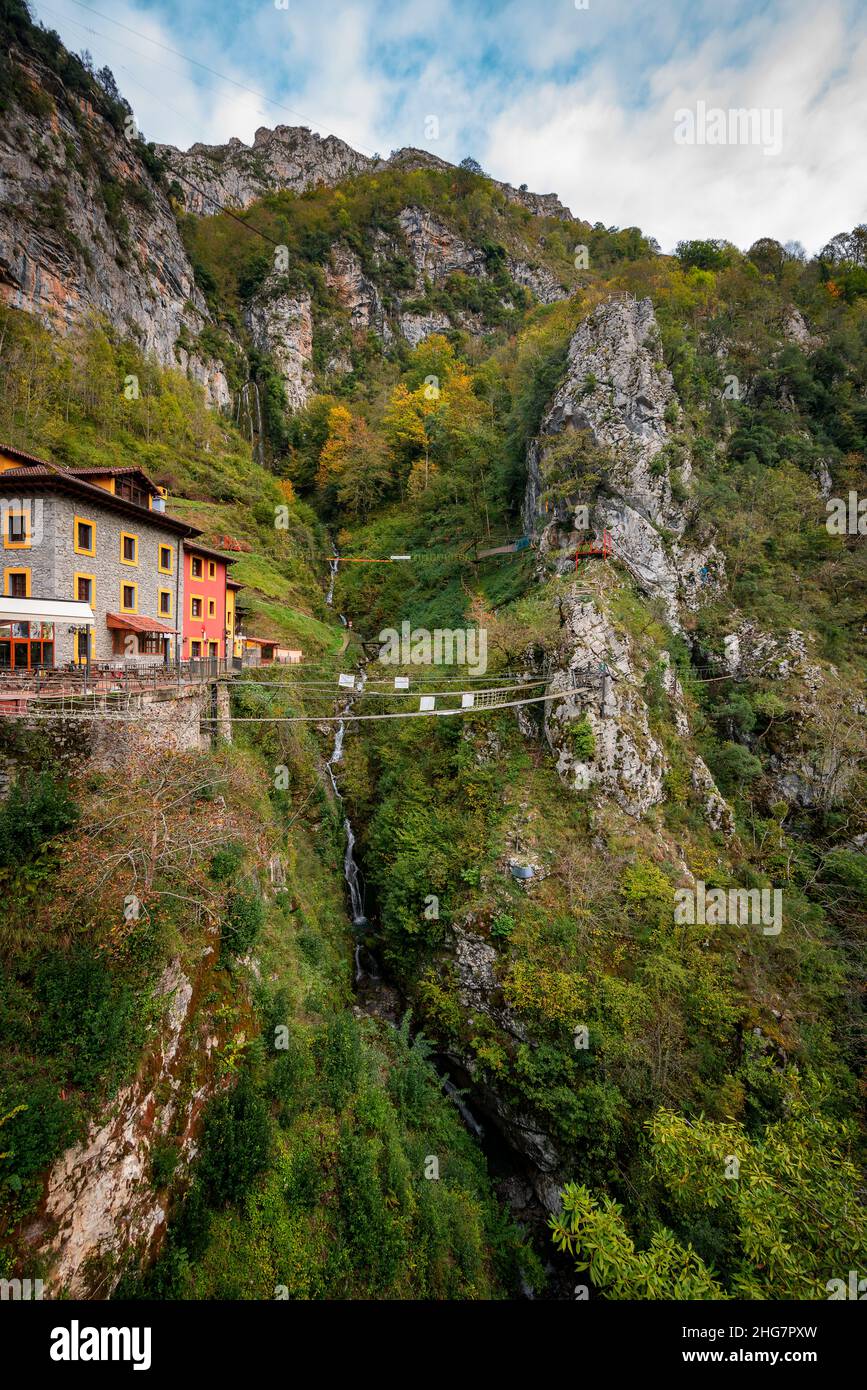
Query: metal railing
{"type": "Point", "coordinates": [114, 676]}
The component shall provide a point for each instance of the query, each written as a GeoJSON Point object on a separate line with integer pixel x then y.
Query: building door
{"type": "Point", "coordinates": [82, 647]}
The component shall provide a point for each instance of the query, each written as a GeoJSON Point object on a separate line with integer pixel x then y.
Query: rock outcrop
{"type": "Point", "coordinates": [356, 292]}
{"type": "Point", "coordinates": [84, 228]}
{"type": "Point", "coordinates": [618, 392]}
{"type": "Point", "coordinates": [626, 762]}
{"type": "Point", "coordinates": [281, 323]}
{"type": "Point", "coordinates": [235, 174]}
{"type": "Point", "coordinates": [101, 1206]}
{"type": "Point", "coordinates": [296, 158]}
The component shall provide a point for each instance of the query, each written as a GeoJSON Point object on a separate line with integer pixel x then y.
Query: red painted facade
{"type": "Point", "coordinates": [204, 628]}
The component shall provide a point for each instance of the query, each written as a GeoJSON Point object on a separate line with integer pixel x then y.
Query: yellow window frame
{"type": "Point", "coordinates": [212, 608]}
{"type": "Point", "coordinates": [28, 532]}
{"type": "Point", "coordinates": [16, 569]}
{"type": "Point", "coordinates": [129, 584]}
{"type": "Point", "coordinates": [164, 612]}
{"type": "Point", "coordinates": [160, 566]}
{"type": "Point", "coordinates": [129, 536]}
{"type": "Point", "coordinates": [212, 569]}
{"type": "Point", "coordinates": [79, 574]}
{"type": "Point", "coordinates": [83, 521]}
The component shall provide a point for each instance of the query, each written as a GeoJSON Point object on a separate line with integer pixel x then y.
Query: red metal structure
{"type": "Point", "coordinates": [604, 550]}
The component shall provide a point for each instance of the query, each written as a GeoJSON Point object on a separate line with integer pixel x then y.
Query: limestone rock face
{"type": "Point", "coordinates": [282, 324]}
{"type": "Point", "coordinates": [616, 389]}
{"type": "Point", "coordinates": [478, 987]}
{"type": "Point", "coordinates": [795, 330]}
{"type": "Point", "coordinates": [236, 174]}
{"type": "Point", "coordinates": [416, 327]}
{"type": "Point", "coordinates": [628, 764]}
{"type": "Point", "coordinates": [435, 250]}
{"type": "Point", "coordinates": [541, 282]}
{"type": "Point", "coordinates": [100, 1204]}
{"type": "Point", "coordinates": [356, 292]}
{"type": "Point", "coordinates": [296, 158]}
{"type": "Point", "coordinates": [63, 255]}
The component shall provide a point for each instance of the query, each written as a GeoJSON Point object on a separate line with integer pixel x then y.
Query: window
{"type": "Point", "coordinates": [128, 548]}
{"type": "Point", "coordinates": [195, 607]}
{"type": "Point", "coordinates": [196, 567]}
{"type": "Point", "coordinates": [165, 559]}
{"type": "Point", "coordinates": [126, 488]}
{"type": "Point", "coordinates": [85, 537]}
{"type": "Point", "coordinates": [16, 529]}
{"type": "Point", "coordinates": [129, 598]}
{"type": "Point", "coordinates": [195, 649]}
{"type": "Point", "coordinates": [212, 569]}
{"type": "Point", "coordinates": [150, 643]}
{"type": "Point", "coordinates": [165, 605]}
{"type": "Point", "coordinates": [16, 583]}
{"type": "Point", "coordinates": [212, 608]}
{"type": "Point", "coordinates": [85, 588]}
{"type": "Point", "coordinates": [212, 649]}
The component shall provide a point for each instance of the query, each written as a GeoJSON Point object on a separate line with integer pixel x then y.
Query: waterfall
{"type": "Point", "coordinates": [333, 567]}
{"type": "Point", "coordinates": [351, 871]}
{"type": "Point", "coordinates": [257, 442]}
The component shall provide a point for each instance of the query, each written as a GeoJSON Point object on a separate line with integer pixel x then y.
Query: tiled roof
{"type": "Point", "coordinates": [131, 622]}
{"type": "Point", "coordinates": [47, 475]}
{"type": "Point", "coordinates": [198, 549]}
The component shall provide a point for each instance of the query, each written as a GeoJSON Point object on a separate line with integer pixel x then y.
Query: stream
{"type": "Point", "coordinates": [511, 1173]}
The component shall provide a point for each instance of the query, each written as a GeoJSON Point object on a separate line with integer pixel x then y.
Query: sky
{"type": "Point", "coordinates": [620, 107]}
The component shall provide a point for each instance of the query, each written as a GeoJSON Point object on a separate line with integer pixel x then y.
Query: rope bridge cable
{"type": "Point", "coordinates": [142, 716]}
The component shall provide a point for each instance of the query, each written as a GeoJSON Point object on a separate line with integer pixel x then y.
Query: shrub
{"type": "Point", "coordinates": [91, 1019]}
{"type": "Point", "coordinates": [226, 862]}
{"type": "Point", "coordinates": [582, 739]}
{"type": "Point", "coordinates": [235, 1142]}
{"type": "Point", "coordinates": [242, 923]}
{"type": "Point", "coordinates": [341, 1059]}
{"type": "Point", "coordinates": [36, 809]}
{"type": "Point", "coordinates": [164, 1161]}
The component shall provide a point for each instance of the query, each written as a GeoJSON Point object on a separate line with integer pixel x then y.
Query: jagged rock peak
{"type": "Point", "coordinates": [297, 158]}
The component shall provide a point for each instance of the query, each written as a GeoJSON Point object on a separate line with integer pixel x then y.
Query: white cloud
{"type": "Point", "coordinates": [620, 165]}
{"type": "Point", "coordinates": [503, 83]}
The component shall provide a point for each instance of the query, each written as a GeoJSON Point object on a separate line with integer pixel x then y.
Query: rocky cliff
{"type": "Point", "coordinates": [618, 396]}
{"type": "Point", "coordinates": [296, 158]}
{"type": "Point", "coordinates": [85, 227]}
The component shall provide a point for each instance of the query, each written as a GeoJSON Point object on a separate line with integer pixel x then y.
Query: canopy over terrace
{"type": "Point", "coordinates": [27, 629]}
{"type": "Point", "coordinates": [152, 637]}
{"type": "Point", "coordinates": [46, 610]}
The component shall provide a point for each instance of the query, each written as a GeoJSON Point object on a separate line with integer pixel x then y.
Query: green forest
{"type": "Point", "coordinates": [703, 1043]}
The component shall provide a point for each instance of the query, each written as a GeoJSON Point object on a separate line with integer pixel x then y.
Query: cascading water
{"type": "Point", "coordinates": [351, 871]}
{"type": "Point", "coordinates": [379, 998]}
{"type": "Point", "coordinates": [329, 597]}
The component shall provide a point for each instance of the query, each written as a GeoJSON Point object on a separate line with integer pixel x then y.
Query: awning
{"type": "Point", "coordinates": [131, 622]}
{"type": "Point", "coordinates": [46, 610]}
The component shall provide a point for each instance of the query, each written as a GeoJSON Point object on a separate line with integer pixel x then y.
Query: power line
{"type": "Point", "coordinates": [208, 197]}
{"type": "Point", "coordinates": [251, 91]}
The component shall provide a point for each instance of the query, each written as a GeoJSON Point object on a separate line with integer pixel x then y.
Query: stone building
{"type": "Point", "coordinates": [90, 536]}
